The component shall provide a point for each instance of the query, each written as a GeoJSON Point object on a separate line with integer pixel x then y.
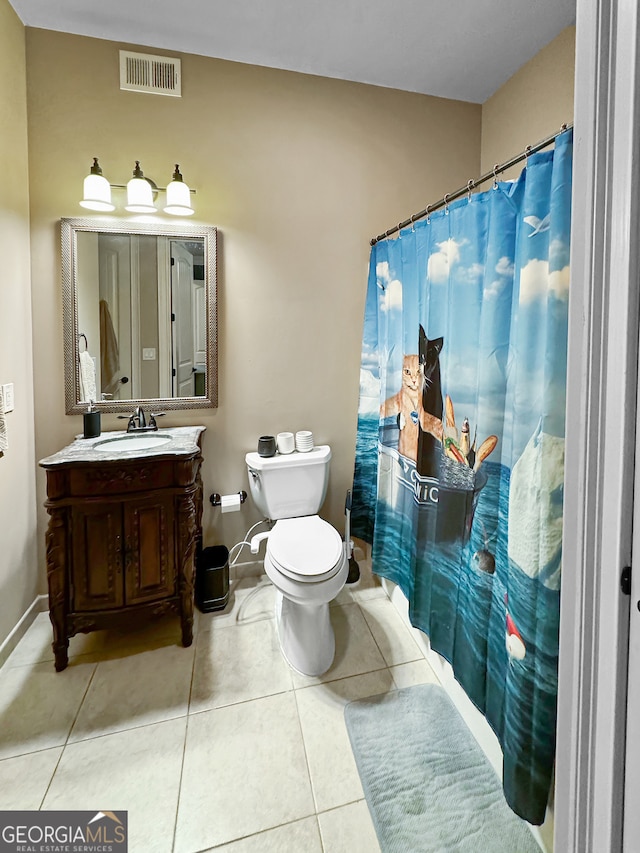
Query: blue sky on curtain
{"type": "Point", "coordinates": [460, 449]}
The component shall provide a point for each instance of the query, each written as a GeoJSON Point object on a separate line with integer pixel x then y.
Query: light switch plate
{"type": "Point", "coordinates": [7, 395]}
{"type": "Point", "coordinates": [148, 353]}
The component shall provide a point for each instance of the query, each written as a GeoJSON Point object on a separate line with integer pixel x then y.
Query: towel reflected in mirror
{"type": "Point", "coordinates": [87, 371]}
{"type": "Point", "coordinates": [109, 355]}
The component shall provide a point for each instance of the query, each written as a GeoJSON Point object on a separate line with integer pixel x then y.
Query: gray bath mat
{"type": "Point", "coordinates": [428, 785]}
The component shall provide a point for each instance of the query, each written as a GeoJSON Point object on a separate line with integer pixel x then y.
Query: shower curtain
{"type": "Point", "coordinates": [458, 481]}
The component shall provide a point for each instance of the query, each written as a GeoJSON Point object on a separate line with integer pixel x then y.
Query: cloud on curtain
{"type": "Point", "coordinates": [460, 450]}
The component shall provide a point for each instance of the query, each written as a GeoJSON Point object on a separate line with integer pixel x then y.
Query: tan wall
{"type": "Point", "coordinates": [531, 105]}
{"type": "Point", "coordinates": [298, 172]}
{"type": "Point", "coordinates": [18, 565]}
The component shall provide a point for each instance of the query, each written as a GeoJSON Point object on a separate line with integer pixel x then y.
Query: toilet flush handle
{"type": "Point", "coordinates": [257, 539]}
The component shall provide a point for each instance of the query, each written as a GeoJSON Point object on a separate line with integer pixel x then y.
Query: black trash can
{"type": "Point", "coordinates": [212, 579]}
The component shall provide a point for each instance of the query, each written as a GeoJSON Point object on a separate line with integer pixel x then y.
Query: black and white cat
{"type": "Point", "coordinates": [431, 407]}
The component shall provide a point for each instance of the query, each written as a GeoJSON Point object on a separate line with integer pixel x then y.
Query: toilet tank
{"type": "Point", "coordinates": [289, 485]}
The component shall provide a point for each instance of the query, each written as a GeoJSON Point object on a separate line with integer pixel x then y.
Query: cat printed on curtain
{"type": "Point", "coordinates": [460, 450]}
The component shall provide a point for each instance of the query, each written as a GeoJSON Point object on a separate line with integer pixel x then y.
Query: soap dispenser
{"type": "Point", "coordinates": [91, 421]}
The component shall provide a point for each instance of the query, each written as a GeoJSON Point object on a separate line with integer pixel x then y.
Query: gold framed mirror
{"type": "Point", "coordinates": [139, 315]}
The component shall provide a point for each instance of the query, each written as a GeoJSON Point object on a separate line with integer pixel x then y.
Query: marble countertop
{"type": "Point", "coordinates": [184, 442]}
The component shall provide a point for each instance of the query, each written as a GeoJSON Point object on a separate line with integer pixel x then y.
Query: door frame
{"type": "Point", "coordinates": [601, 411]}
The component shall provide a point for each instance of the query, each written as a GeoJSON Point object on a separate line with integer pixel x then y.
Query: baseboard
{"type": "Point", "coordinates": [39, 604]}
{"type": "Point", "coordinates": [250, 568]}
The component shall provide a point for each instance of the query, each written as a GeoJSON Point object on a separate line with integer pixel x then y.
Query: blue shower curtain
{"type": "Point", "coordinates": [460, 449]}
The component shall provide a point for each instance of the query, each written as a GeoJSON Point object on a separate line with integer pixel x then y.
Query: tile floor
{"type": "Point", "coordinates": [220, 746]}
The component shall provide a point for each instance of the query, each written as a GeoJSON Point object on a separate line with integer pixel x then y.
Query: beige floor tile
{"type": "Point", "coordinates": [247, 567]}
{"type": "Point", "coordinates": [137, 771]}
{"type": "Point", "coordinates": [391, 634]}
{"type": "Point", "coordinates": [149, 633]}
{"type": "Point", "coordinates": [35, 646]}
{"type": "Point", "coordinates": [359, 592]}
{"type": "Point", "coordinates": [415, 672]}
{"type": "Point", "coordinates": [244, 771]}
{"type": "Point", "coordinates": [334, 775]}
{"type": "Point", "coordinates": [302, 836]}
{"type": "Point", "coordinates": [239, 663]}
{"type": "Point", "coordinates": [364, 593]}
{"type": "Point", "coordinates": [356, 650]}
{"type": "Point", "coordinates": [251, 599]}
{"type": "Point", "coordinates": [348, 829]}
{"type": "Point", "coordinates": [38, 705]}
{"type": "Point", "coordinates": [369, 585]}
{"type": "Point", "coordinates": [24, 780]}
{"type": "Point", "coordinates": [136, 690]}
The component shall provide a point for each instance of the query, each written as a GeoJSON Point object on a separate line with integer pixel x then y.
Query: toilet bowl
{"type": "Point", "coordinates": [307, 564]}
{"type": "Point", "coordinates": [305, 558]}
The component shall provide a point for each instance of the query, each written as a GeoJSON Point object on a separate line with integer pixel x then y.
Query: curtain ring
{"type": "Point", "coordinates": [495, 178]}
{"type": "Point", "coordinates": [399, 231]}
{"type": "Point", "coordinates": [446, 204]}
{"type": "Point", "coordinates": [527, 151]}
{"type": "Point", "coordinates": [413, 230]}
{"type": "Point", "coordinates": [470, 185]}
{"type": "Point", "coordinates": [428, 212]}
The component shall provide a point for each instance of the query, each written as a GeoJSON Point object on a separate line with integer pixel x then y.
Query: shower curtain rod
{"type": "Point", "coordinates": [471, 185]}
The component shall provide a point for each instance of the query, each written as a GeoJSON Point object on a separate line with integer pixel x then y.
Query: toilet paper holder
{"type": "Point", "coordinates": [216, 499]}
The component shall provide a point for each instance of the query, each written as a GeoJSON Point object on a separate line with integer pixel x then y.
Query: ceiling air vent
{"type": "Point", "coordinates": [144, 72]}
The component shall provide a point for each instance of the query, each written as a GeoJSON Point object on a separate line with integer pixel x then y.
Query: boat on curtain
{"type": "Point", "coordinates": [460, 446]}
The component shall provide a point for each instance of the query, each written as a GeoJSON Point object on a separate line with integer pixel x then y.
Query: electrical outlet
{"type": "Point", "coordinates": [7, 395]}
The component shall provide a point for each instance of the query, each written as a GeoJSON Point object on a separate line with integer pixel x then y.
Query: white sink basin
{"type": "Point", "coordinates": [132, 441]}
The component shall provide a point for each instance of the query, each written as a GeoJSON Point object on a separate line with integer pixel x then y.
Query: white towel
{"type": "Point", "coordinates": [4, 443]}
{"type": "Point", "coordinates": [87, 378]}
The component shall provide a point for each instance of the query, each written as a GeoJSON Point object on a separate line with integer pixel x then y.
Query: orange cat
{"type": "Point", "coordinates": [407, 405]}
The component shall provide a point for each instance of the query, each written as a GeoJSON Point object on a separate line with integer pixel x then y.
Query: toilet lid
{"type": "Point", "coordinates": [306, 547]}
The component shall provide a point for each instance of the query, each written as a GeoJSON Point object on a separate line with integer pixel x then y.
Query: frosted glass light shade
{"type": "Point", "coordinates": [97, 193]}
{"type": "Point", "coordinates": [139, 196]}
{"type": "Point", "coordinates": [178, 196]}
{"type": "Point", "coordinates": [139, 193]}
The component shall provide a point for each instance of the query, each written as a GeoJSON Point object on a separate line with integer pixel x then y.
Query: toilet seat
{"type": "Point", "coordinates": [305, 549]}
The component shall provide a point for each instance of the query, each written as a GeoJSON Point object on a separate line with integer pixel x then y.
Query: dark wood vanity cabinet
{"type": "Point", "coordinates": [121, 543]}
{"type": "Point", "coordinates": [135, 561]}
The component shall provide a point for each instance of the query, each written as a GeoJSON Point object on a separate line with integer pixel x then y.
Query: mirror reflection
{"type": "Point", "coordinates": [141, 309]}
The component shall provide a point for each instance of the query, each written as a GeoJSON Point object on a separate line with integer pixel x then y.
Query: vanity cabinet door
{"type": "Point", "coordinates": [149, 549]}
{"type": "Point", "coordinates": [96, 574]}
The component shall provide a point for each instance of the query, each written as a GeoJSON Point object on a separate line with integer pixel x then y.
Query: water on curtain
{"type": "Point", "coordinates": [460, 450]}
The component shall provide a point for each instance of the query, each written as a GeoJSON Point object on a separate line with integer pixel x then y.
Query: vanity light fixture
{"type": "Point", "coordinates": [97, 190]}
{"type": "Point", "coordinates": [141, 193]}
{"type": "Point", "coordinates": [178, 196]}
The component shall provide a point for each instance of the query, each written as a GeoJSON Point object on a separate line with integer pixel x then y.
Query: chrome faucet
{"type": "Point", "coordinates": [140, 417]}
{"type": "Point", "coordinates": [137, 422]}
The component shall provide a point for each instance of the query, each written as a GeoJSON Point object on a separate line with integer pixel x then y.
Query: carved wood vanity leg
{"type": "Point", "coordinates": [56, 541]}
{"type": "Point", "coordinates": [187, 537]}
{"type": "Point", "coordinates": [198, 497]}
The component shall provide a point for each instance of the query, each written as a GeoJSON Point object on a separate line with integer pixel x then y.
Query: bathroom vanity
{"type": "Point", "coordinates": [125, 514]}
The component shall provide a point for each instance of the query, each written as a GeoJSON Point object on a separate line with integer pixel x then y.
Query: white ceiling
{"type": "Point", "coordinates": [462, 49]}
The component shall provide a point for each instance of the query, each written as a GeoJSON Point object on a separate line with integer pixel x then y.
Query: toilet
{"type": "Point", "coordinates": [305, 557]}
